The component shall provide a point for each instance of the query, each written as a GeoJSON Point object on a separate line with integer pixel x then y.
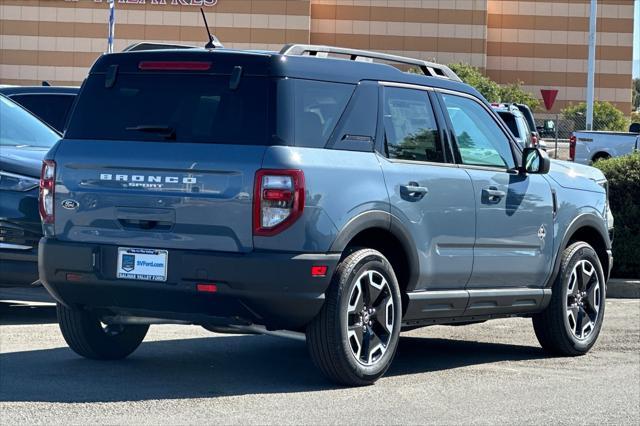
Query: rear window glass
{"type": "Point", "coordinates": [20, 128]}
{"type": "Point", "coordinates": [193, 108]}
{"type": "Point", "coordinates": [50, 108]}
{"type": "Point", "coordinates": [510, 120]}
{"type": "Point", "coordinates": [312, 108]}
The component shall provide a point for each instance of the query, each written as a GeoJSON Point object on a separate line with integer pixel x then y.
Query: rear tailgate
{"type": "Point", "coordinates": [146, 194]}
{"type": "Point", "coordinates": [162, 149]}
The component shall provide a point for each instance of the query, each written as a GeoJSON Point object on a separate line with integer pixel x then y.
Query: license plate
{"type": "Point", "coordinates": [142, 264]}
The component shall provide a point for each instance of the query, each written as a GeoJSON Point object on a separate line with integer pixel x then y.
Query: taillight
{"type": "Point", "coordinates": [47, 190]}
{"type": "Point", "coordinates": [278, 200]}
{"type": "Point", "coordinates": [174, 66]}
{"type": "Point", "coordinates": [572, 148]}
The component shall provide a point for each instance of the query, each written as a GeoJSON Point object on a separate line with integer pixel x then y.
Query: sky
{"type": "Point", "coordinates": [636, 41]}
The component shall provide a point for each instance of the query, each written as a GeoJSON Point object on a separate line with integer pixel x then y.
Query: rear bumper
{"type": "Point", "coordinates": [268, 288]}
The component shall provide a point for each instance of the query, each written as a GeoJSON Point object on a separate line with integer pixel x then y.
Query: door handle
{"type": "Point", "coordinates": [413, 191]}
{"type": "Point", "coordinates": [493, 194]}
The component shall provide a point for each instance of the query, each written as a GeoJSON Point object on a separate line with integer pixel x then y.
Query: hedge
{"type": "Point", "coordinates": [623, 174]}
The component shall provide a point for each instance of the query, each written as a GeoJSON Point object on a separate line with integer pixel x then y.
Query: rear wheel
{"type": "Point", "coordinates": [87, 336]}
{"type": "Point", "coordinates": [570, 325]}
{"type": "Point", "coordinates": [354, 338]}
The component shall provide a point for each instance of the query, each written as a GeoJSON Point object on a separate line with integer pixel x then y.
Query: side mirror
{"type": "Point", "coordinates": [535, 161]}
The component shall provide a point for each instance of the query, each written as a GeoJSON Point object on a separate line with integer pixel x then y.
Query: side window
{"type": "Point", "coordinates": [410, 126]}
{"type": "Point", "coordinates": [318, 107]}
{"type": "Point", "coordinates": [480, 140]}
{"type": "Point", "coordinates": [526, 133]}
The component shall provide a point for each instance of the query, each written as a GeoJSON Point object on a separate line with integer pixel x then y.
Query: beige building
{"type": "Point", "coordinates": [542, 43]}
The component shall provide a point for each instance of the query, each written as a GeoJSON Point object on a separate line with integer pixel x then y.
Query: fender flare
{"type": "Point", "coordinates": [382, 220]}
{"type": "Point", "coordinates": [585, 219]}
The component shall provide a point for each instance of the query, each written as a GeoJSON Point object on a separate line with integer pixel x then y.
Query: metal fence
{"type": "Point", "coordinates": [555, 130]}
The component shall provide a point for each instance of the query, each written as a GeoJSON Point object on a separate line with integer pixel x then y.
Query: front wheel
{"type": "Point", "coordinates": [570, 325]}
{"type": "Point", "coordinates": [87, 336]}
{"type": "Point", "coordinates": [354, 337]}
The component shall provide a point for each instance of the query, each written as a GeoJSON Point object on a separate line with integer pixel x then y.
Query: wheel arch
{"type": "Point", "coordinates": [589, 228]}
{"type": "Point", "coordinates": [378, 230]}
{"type": "Point", "coordinates": [602, 154]}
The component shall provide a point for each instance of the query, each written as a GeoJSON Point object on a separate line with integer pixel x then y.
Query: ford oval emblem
{"type": "Point", "coordinates": [70, 204]}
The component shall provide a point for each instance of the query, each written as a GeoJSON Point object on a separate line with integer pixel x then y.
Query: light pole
{"type": "Point", "coordinates": [591, 66]}
{"type": "Point", "coordinates": [112, 25]}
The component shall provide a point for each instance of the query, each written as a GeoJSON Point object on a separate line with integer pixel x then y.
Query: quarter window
{"type": "Point", "coordinates": [481, 142]}
{"type": "Point", "coordinates": [410, 127]}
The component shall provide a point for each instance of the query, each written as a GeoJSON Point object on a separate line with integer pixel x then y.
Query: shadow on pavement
{"type": "Point", "coordinates": [217, 366]}
{"type": "Point", "coordinates": [18, 313]}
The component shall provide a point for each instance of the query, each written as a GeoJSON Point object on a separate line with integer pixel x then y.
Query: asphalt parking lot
{"type": "Point", "coordinates": [487, 373]}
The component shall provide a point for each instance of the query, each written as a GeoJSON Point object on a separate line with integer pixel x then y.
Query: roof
{"type": "Point", "coordinates": [275, 64]}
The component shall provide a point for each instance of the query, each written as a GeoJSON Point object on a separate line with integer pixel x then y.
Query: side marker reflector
{"type": "Point", "coordinates": [207, 288]}
{"type": "Point", "coordinates": [318, 271]}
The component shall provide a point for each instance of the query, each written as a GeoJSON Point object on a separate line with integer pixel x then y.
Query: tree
{"type": "Point", "coordinates": [473, 77]}
{"type": "Point", "coordinates": [636, 93]}
{"type": "Point", "coordinates": [513, 93]}
{"type": "Point", "coordinates": [605, 116]}
{"type": "Point", "coordinates": [493, 91]}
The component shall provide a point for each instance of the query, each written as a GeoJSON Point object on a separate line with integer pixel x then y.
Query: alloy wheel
{"type": "Point", "coordinates": [370, 313]}
{"type": "Point", "coordinates": [584, 297]}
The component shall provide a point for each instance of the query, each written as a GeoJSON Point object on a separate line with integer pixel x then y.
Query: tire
{"type": "Point", "coordinates": [570, 325]}
{"type": "Point", "coordinates": [350, 346]}
{"type": "Point", "coordinates": [86, 336]}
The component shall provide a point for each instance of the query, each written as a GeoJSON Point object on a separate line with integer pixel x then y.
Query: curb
{"type": "Point", "coordinates": [623, 288]}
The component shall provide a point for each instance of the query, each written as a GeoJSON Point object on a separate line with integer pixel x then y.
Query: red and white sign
{"type": "Point", "coordinates": [549, 97]}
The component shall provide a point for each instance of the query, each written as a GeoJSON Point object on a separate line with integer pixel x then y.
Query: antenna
{"type": "Point", "coordinates": [213, 41]}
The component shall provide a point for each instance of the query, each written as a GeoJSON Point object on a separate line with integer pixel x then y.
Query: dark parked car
{"type": "Point", "coordinates": [51, 104]}
{"type": "Point", "coordinates": [24, 140]}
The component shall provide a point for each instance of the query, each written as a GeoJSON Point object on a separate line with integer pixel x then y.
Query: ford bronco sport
{"type": "Point", "coordinates": [315, 190]}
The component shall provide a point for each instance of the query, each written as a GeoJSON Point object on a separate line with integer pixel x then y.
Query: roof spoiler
{"type": "Point", "coordinates": [430, 69]}
{"type": "Point", "coordinates": [136, 47]}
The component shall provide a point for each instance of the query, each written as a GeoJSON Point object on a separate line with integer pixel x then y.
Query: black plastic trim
{"type": "Point", "coordinates": [583, 220]}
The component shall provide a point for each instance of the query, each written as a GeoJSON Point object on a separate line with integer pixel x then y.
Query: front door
{"type": "Point", "coordinates": [514, 211]}
{"type": "Point", "coordinates": [430, 197]}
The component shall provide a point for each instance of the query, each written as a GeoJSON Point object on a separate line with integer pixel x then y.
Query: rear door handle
{"type": "Point", "coordinates": [493, 194]}
{"type": "Point", "coordinates": [413, 191]}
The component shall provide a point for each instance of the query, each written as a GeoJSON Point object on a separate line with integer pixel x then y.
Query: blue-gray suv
{"type": "Point", "coordinates": [314, 191]}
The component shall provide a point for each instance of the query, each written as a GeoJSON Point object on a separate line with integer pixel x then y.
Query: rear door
{"type": "Point", "coordinates": [163, 158]}
{"type": "Point", "coordinates": [514, 212]}
{"type": "Point", "coordinates": [430, 197]}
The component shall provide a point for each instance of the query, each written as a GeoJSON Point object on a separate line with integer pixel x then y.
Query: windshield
{"type": "Point", "coordinates": [174, 107]}
{"type": "Point", "coordinates": [20, 128]}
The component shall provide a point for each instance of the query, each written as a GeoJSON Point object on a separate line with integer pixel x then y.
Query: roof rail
{"type": "Point", "coordinates": [156, 46]}
{"type": "Point", "coordinates": [428, 68]}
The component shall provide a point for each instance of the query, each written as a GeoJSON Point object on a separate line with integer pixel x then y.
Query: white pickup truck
{"type": "Point", "coordinates": [587, 147]}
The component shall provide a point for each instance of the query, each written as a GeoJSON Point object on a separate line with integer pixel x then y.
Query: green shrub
{"type": "Point", "coordinates": [623, 174]}
{"type": "Point", "coordinates": [605, 116]}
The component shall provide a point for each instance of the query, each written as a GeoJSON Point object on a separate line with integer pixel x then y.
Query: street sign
{"type": "Point", "coordinates": [549, 97]}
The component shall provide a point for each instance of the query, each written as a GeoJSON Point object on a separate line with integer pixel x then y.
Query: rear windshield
{"type": "Point", "coordinates": [510, 120]}
{"type": "Point", "coordinates": [192, 108]}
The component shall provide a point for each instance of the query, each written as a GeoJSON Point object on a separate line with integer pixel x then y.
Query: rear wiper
{"type": "Point", "coordinates": [165, 131]}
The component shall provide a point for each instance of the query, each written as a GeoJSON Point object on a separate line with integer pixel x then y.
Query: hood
{"type": "Point", "coordinates": [25, 161]}
{"type": "Point", "coordinates": [576, 176]}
